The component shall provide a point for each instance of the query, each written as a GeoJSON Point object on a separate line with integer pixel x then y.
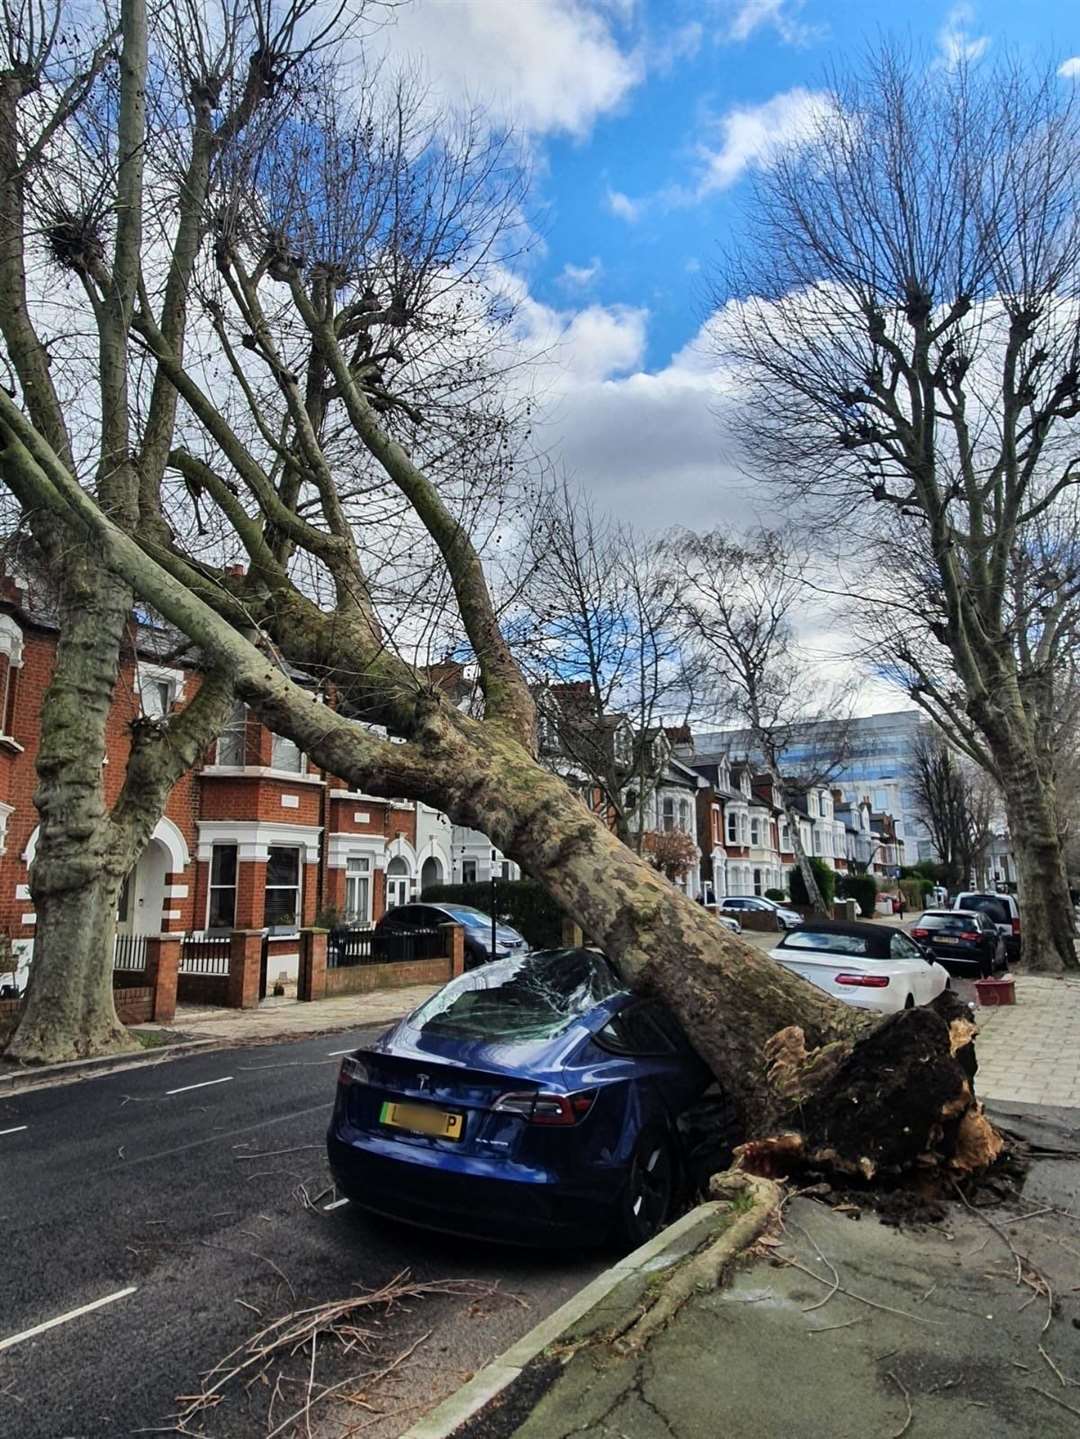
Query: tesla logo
{"type": "Point", "coordinates": [423, 1081]}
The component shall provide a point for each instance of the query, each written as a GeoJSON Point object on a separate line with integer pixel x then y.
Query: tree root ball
{"type": "Point", "coordinates": [896, 1100]}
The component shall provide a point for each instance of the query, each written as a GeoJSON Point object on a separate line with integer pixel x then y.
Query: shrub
{"type": "Point", "coordinates": [860, 887]}
{"type": "Point", "coordinates": [826, 882]}
{"type": "Point", "coordinates": [915, 891]}
{"type": "Point", "coordinates": [776, 894]}
{"type": "Point", "coordinates": [522, 903]}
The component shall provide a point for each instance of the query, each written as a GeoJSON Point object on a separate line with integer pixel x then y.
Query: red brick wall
{"type": "Point", "coordinates": [362, 978]}
{"type": "Point", "coordinates": [255, 797]}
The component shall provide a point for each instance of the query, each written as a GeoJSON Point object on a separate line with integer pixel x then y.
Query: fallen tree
{"type": "Point", "coordinates": [313, 301]}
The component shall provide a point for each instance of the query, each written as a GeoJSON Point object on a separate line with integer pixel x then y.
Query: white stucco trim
{"type": "Point", "coordinates": [167, 834]}
{"type": "Point", "coordinates": [253, 838]}
{"type": "Point", "coordinates": [177, 891]}
{"type": "Point", "coordinates": [402, 849]}
{"type": "Point", "coordinates": [259, 771]}
{"type": "Point", "coordinates": [342, 845]}
{"type": "Point", "coordinates": [11, 641]}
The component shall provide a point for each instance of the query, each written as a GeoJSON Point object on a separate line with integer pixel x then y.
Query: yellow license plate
{"type": "Point", "coordinates": [423, 1120]}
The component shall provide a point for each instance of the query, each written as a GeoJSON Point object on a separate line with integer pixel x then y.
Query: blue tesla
{"type": "Point", "coordinates": [533, 1100]}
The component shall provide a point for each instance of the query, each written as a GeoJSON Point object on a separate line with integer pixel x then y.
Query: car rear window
{"type": "Point", "coordinates": [529, 997]}
{"type": "Point", "coordinates": [953, 923]}
{"type": "Point", "coordinates": [828, 943]}
{"type": "Point", "coordinates": [993, 908]}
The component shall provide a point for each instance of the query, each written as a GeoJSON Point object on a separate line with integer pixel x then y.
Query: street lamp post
{"type": "Point", "coordinates": [493, 899]}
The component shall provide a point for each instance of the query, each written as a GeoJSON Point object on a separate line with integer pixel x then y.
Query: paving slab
{"type": "Point", "coordinates": [1030, 1050]}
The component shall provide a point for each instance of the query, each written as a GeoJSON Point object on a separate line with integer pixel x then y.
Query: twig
{"type": "Point", "coordinates": [809, 1309]}
{"type": "Point", "coordinates": [907, 1400]}
{"type": "Point", "coordinates": [1054, 1399]}
{"type": "Point", "coordinates": [827, 1328]}
{"type": "Point", "coordinates": [1061, 1377]}
{"type": "Point", "coordinates": [870, 1303]}
{"type": "Point", "coordinates": [244, 1304]}
{"type": "Point", "coordinates": [1021, 1259]}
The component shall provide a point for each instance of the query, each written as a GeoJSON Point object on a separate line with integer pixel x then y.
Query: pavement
{"type": "Point", "coordinates": [154, 1218]}
{"type": "Point", "coordinates": [831, 1325]}
{"type": "Point", "coordinates": [287, 1018]}
{"type": "Point", "coordinates": [1030, 1051]}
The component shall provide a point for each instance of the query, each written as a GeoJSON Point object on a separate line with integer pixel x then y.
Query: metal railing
{"type": "Point", "coordinates": [205, 954]}
{"type": "Point", "coordinates": [348, 947]}
{"type": "Point", "coordinates": [129, 951]}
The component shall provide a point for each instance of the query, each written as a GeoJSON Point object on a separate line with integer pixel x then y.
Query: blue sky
{"type": "Point", "coordinates": [643, 119]}
{"type": "Point", "coordinates": [649, 148]}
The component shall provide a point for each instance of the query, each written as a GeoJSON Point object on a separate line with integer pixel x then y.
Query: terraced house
{"type": "Point", "coordinates": [254, 838]}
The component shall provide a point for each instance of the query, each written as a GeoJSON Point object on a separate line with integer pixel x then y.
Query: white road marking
{"type": "Point", "coordinates": [333, 1053]}
{"type": "Point", "coordinates": [17, 1130]}
{"type": "Point", "coordinates": [63, 1318]}
{"type": "Point", "coordinates": [335, 1205]}
{"type": "Point", "coordinates": [206, 1082]}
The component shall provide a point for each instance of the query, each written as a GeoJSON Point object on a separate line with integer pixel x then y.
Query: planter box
{"type": "Point", "coordinates": [995, 991]}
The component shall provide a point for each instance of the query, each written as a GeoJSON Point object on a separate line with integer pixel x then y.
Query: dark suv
{"type": "Point", "coordinates": [961, 940]}
{"type": "Point", "coordinates": [1003, 910]}
{"type": "Point", "coordinates": [476, 924]}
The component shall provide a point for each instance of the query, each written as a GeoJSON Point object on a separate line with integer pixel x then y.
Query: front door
{"type": "Point", "coordinates": [397, 890]}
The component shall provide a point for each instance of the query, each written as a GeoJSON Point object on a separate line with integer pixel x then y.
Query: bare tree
{"type": "Point", "coordinates": [956, 802]}
{"type": "Point", "coordinates": [270, 462]}
{"type": "Point", "coordinates": [738, 600]}
{"type": "Point", "coordinates": [906, 324]}
{"type": "Point", "coordinates": [599, 632]}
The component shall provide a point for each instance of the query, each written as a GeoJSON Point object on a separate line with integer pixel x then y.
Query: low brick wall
{"type": "Point", "coordinates": [134, 1006]}
{"type": "Point", "coordinates": [202, 988]}
{"type": "Point", "coordinates": [9, 1008]}
{"type": "Point", "coordinates": [362, 978]}
{"type": "Point", "coordinates": [757, 919]}
{"type": "Point", "coordinates": [129, 979]}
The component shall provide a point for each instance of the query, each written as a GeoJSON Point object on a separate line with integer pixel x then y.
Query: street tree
{"type": "Point", "coordinates": [599, 634]}
{"type": "Point", "coordinates": [738, 600]}
{"type": "Point", "coordinates": [905, 328]}
{"type": "Point", "coordinates": [956, 801]}
{"type": "Point", "coordinates": [313, 285]}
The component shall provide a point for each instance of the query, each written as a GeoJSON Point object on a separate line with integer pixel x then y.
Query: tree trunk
{"type": "Point", "coordinates": [1048, 922]}
{"type": "Point", "coordinates": [69, 1011]}
{"type": "Point", "coordinates": [787, 1054]}
{"type": "Point", "coordinates": [1047, 918]}
{"type": "Point", "coordinates": [75, 878]}
{"type": "Point", "coordinates": [802, 859]}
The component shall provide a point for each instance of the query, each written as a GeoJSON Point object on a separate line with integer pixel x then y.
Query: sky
{"type": "Point", "coordinates": [643, 120]}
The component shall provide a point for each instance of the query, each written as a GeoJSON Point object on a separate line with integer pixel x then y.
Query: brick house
{"type": "Point", "coordinates": [254, 838]}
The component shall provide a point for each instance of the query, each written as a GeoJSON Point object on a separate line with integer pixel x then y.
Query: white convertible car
{"type": "Point", "coordinates": [872, 966]}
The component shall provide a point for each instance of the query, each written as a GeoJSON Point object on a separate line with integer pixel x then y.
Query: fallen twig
{"type": "Point", "coordinates": [1054, 1399]}
{"type": "Point", "coordinates": [1061, 1377]}
{"type": "Point", "coordinates": [907, 1400]}
{"type": "Point", "coordinates": [870, 1303]}
{"type": "Point", "coordinates": [272, 1153]}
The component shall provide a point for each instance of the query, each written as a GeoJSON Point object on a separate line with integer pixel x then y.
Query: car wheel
{"type": "Point", "coordinates": [650, 1187]}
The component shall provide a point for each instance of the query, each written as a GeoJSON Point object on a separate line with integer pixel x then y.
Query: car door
{"type": "Point", "coordinates": [921, 974]}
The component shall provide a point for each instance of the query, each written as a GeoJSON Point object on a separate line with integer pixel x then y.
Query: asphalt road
{"type": "Point", "coordinates": [158, 1191]}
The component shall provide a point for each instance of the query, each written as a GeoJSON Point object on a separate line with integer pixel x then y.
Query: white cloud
{"type": "Point", "coordinates": [548, 66]}
{"type": "Point", "coordinates": [1070, 70]}
{"type": "Point", "coordinates": [779, 15]}
{"type": "Point", "coordinates": [681, 44]}
{"type": "Point", "coordinates": [622, 206]}
{"type": "Point", "coordinates": [579, 277]}
{"type": "Point", "coordinates": [754, 135]}
{"type": "Point", "coordinates": [955, 41]}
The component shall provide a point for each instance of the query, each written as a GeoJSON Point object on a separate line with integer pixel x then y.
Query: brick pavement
{"type": "Point", "coordinates": [288, 1019]}
{"type": "Point", "coordinates": [1030, 1051]}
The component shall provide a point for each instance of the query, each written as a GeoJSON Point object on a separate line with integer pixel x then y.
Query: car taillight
{"type": "Point", "coordinates": [919, 933]}
{"type": "Point", "coordinates": [353, 1071]}
{"type": "Point", "coordinates": [864, 981]}
{"type": "Point", "coordinates": [1016, 926]}
{"type": "Point", "coordinates": [558, 1109]}
{"type": "Point", "coordinates": [968, 934]}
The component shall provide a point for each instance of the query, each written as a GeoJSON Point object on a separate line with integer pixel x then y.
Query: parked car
{"type": "Point", "coordinates": [1003, 910]}
{"type": "Point", "coordinates": [963, 940]}
{"type": "Point", "coordinates": [532, 1101]}
{"type": "Point", "coordinates": [729, 922]}
{"type": "Point", "coordinates": [476, 924]}
{"type": "Point", "coordinates": [743, 903]}
{"type": "Point", "coordinates": [871, 966]}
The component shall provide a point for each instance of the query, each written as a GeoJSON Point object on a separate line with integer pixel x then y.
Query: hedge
{"type": "Point", "coordinates": [522, 903]}
{"type": "Point", "coordinates": [826, 880]}
{"type": "Point", "coordinates": [776, 894]}
{"type": "Point", "coordinates": [861, 887]}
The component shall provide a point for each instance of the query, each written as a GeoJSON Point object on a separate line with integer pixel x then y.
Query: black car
{"type": "Point", "coordinates": [963, 941]}
{"type": "Point", "coordinates": [475, 923]}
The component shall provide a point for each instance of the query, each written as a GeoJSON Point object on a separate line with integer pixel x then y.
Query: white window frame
{"type": "Point", "coordinates": [465, 878]}
{"type": "Point", "coordinates": [667, 810]}
{"type": "Point", "coordinates": [358, 878]}
{"type": "Point", "coordinates": [235, 728]}
{"type": "Point", "coordinates": [211, 886]}
{"type": "Point", "coordinates": [298, 850]}
{"type": "Point", "coordinates": [301, 757]}
{"type": "Point", "coordinates": [755, 833]}
{"type": "Point", "coordinates": [732, 827]}
{"type": "Point", "coordinates": [160, 674]}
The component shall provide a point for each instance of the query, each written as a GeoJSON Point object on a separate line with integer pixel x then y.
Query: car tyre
{"type": "Point", "coordinates": [647, 1197]}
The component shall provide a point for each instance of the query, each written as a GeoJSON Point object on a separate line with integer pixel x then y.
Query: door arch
{"type": "Point", "coordinates": [431, 872]}
{"type": "Point", "coordinates": [397, 882]}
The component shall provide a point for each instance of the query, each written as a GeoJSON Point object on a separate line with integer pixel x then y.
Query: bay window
{"type": "Point", "coordinates": [285, 755]}
{"type": "Point", "coordinates": [282, 887]}
{"type": "Point", "coordinates": [358, 889]}
{"type": "Point", "coordinates": [221, 912]}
